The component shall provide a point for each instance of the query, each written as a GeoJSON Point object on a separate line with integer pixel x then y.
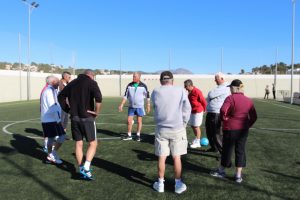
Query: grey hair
{"type": "Point", "coordinates": [50, 79]}
{"type": "Point", "coordinates": [188, 82]}
{"type": "Point", "coordinates": [166, 81]}
{"type": "Point", "coordinates": [235, 89]}
{"type": "Point", "coordinates": [220, 75]}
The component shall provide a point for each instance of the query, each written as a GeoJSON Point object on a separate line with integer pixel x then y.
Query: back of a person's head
{"type": "Point", "coordinates": [51, 79]}
{"type": "Point", "coordinates": [220, 75]}
{"type": "Point", "coordinates": [90, 73]}
{"type": "Point", "coordinates": [166, 77]}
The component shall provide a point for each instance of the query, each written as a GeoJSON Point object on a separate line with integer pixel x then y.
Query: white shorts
{"type": "Point", "coordinates": [196, 119]}
{"type": "Point", "coordinates": [176, 142]}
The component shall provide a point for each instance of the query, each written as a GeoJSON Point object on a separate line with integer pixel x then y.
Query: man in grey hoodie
{"type": "Point", "coordinates": [171, 113]}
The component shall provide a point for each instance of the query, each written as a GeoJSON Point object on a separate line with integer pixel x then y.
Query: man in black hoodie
{"type": "Point", "coordinates": [82, 99]}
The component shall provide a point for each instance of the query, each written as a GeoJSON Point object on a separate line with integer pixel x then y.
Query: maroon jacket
{"type": "Point", "coordinates": [238, 112]}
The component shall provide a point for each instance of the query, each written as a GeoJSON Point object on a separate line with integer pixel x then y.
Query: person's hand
{"type": "Point", "coordinates": [184, 124]}
{"type": "Point", "coordinates": [121, 108]}
{"type": "Point", "coordinates": [93, 113]}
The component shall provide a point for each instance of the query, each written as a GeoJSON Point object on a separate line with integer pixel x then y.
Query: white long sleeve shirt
{"type": "Point", "coordinates": [50, 108]}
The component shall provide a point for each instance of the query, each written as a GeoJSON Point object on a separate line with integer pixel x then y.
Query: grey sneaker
{"type": "Point", "coordinates": [127, 137]}
{"type": "Point", "coordinates": [180, 188]}
{"type": "Point", "coordinates": [218, 173]}
{"type": "Point", "coordinates": [159, 187]}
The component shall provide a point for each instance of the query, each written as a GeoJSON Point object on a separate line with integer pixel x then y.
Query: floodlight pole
{"type": "Point", "coordinates": [275, 74]}
{"type": "Point", "coordinates": [120, 75]}
{"type": "Point", "coordinates": [31, 6]}
{"type": "Point", "coordinates": [20, 67]}
{"type": "Point", "coordinates": [292, 68]}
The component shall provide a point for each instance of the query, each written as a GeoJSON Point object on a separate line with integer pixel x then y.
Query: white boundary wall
{"type": "Point", "coordinates": [10, 82]}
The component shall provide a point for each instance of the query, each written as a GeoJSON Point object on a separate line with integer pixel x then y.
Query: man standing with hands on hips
{"type": "Point", "coordinates": [82, 99]}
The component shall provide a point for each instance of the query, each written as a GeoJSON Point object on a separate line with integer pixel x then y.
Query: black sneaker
{"type": "Point", "coordinates": [127, 137]}
{"type": "Point", "coordinates": [138, 138]}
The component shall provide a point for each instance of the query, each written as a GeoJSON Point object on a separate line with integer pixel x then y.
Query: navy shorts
{"type": "Point", "coordinates": [140, 112]}
{"type": "Point", "coordinates": [83, 128]}
{"type": "Point", "coordinates": [53, 129]}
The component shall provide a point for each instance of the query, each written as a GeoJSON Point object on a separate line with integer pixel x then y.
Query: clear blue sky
{"type": "Point", "coordinates": [195, 30]}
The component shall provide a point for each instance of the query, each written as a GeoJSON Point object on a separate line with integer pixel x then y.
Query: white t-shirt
{"type": "Point", "coordinates": [50, 108]}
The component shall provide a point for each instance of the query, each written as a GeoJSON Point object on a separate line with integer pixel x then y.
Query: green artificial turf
{"type": "Point", "coordinates": [127, 169]}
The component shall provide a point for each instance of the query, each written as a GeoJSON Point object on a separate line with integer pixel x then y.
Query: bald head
{"type": "Point", "coordinates": [90, 73]}
{"type": "Point", "coordinates": [219, 78]}
{"type": "Point", "coordinates": [53, 81]}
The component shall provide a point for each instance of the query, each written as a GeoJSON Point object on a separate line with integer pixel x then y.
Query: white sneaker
{"type": "Point", "coordinates": [159, 187]}
{"type": "Point", "coordinates": [54, 159]}
{"type": "Point", "coordinates": [195, 144]}
{"type": "Point", "coordinates": [180, 187]}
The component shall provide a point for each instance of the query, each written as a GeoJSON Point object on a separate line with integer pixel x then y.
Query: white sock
{"type": "Point", "coordinates": [161, 180]}
{"type": "Point", "coordinates": [129, 134]}
{"type": "Point", "coordinates": [45, 142]}
{"type": "Point", "coordinates": [177, 181]}
{"type": "Point", "coordinates": [138, 134]}
{"type": "Point", "coordinates": [87, 165]}
{"type": "Point", "coordinates": [238, 175]}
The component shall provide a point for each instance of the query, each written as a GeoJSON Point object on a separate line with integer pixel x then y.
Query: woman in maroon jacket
{"type": "Point", "coordinates": [238, 115]}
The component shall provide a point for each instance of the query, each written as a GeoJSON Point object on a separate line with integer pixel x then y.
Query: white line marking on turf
{"type": "Point", "coordinates": [99, 138]}
{"type": "Point", "coordinates": [275, 104]}
{"type": "Point", "coordinates": [278, 129]}
{"type": "Point", "coordinates": [12, 104]}
{"type": "Point", "coordinates": [100, 123]}
{"type": "Point", "coordinates": [4, 129]}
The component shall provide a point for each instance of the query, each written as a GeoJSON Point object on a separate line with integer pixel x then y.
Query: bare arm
{"type": "Point", "coordinates": [122, 104]}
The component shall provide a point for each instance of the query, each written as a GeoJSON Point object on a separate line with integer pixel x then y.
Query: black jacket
{"type": "Point", "coordinates": [81, 94]}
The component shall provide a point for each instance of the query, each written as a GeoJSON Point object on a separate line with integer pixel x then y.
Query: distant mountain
{"type": "Point", "coordinates": [177, 71]}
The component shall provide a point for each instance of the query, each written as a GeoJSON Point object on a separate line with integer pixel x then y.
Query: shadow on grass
{"type": "Point", "coordinates": [30, 147]}
{"type": "Point", "coordinates": [27, 173]}
{"type": "Point", "coordinates": [129, 174]}
{"type": "Point", "coordinates": [108, 133]}
{"type": "Point", "coordinates": [7, 150]}
{"type": "Point", "coordinates": [147, 138]}
{"type": "Point", "coordinates": [203, 153]}
{"type": "Point", "coordinates": [146, 156]}
{"type": "Point", "coordinates": [281, 174]}
{"type": "Point", "coordinates": [34, 131]}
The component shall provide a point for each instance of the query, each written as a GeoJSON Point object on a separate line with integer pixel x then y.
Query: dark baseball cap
{"type": "Point", "coordinates": [235, 83]}
{"type": "Point", "coordinates": [166, 75]}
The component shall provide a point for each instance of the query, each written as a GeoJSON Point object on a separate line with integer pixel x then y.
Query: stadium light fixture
{"type": "Point", "coordinates": [31, 7]}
